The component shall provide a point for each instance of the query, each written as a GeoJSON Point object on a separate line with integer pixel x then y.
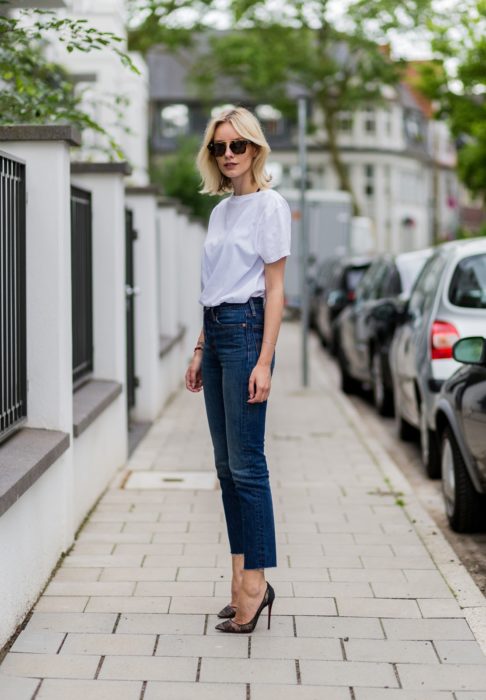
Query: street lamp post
{"type": "Point", "coordinates": [304, 243]}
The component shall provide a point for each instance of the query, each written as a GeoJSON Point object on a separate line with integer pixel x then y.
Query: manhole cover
{"type": "Point", "coordinates": [171, 480]}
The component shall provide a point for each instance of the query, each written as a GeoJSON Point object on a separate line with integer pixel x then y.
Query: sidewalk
{"type": "Point", "coordinates": [372, 603]}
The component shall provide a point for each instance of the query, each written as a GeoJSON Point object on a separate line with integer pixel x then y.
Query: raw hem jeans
{"type": "Point", "coordinates": [233, 338]}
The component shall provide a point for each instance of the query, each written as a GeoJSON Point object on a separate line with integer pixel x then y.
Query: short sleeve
{"type": "Point", "coordinates": [273, 234]}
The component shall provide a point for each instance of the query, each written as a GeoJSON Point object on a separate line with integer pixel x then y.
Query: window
{"type": "Point", "coordinates": [468, 284]}
{"type": "Point", "coordinates": [271, 118]}
{"type": "Point", "coordinates": [345, 122]}
{"type": "Point", "coordinates": [369, 176]}
{"type": "Point", "coordinates": [370, 121]}
{"type": "Point", "coordinates": [174, 120]}
{"type": "Point", "coordinates": [423, 292]}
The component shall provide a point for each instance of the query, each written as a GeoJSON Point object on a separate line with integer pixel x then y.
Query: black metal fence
{"type": "Point", "coordinates": [13, 356]}
{"type": "Point", "coordinates": [82, 285]}
{"type": "Point", "coordinates": [130, 290]}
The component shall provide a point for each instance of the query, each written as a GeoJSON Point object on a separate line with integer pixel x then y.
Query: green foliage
{"type": "Point", "coordinates": [457, 81]}
{"type": "Point", "coordinates": [179, 178]}
{"type": "Point", "coordinates": [38, 91]}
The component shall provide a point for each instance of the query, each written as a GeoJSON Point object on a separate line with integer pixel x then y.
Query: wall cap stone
{"type": "Point", "coordinates": [87, 168]}
{"type": "Point", "coordinates": [41, 132]}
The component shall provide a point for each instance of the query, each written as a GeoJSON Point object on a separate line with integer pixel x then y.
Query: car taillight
{"type": "Point", "coordinates": [442, 338]}
{"type": "Point", "coordinates": [351, 295]}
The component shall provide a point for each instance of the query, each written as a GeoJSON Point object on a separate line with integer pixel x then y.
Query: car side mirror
{"type": "Point", "coordinates": [470, 351]}
{"type": "Point", "coordinates": [384, 312]}
{"type": "Point", "coordinates": [336, 298]}
{"type": "Point", "coordinates": [402, 314]}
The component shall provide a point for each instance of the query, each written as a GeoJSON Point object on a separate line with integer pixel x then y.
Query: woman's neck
{"type": "Point", "coordinates": [244, 185]}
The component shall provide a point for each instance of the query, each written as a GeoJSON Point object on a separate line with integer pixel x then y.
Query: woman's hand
{"type": "Point", "coordinates": [194, 380]}
{"type": "Point", "coordinates": [259, 383]}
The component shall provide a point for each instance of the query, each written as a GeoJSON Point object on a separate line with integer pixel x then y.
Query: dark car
{"type": "Point", "coordinates": [461, 427]}
{"type": "Point", "coordinates": [365, 329]}
{"type": "Point", "coordinates": [334, 288]}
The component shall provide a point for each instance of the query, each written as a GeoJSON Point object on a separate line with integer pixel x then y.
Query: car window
{"type": "Point", "coordinates": [468, 284]}
{"type": "Point", "coordinates": [391, 285]}
{"type": "Point", "coordinates": [423, 292]}
{"type": "Point", "coordinates": [409, 269]}
{"type": "Point", "coordinates": [365, 287]}
{"type": "Point", "coordinates": [379, 280]}
{"type": "Point", "coordinates": [353, 276]}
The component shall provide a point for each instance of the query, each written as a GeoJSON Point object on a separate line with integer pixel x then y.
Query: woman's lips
{"type": "Point", "coordinates": [230, 165]}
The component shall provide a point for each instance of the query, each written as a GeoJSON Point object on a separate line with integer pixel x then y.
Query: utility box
{"type": "Point", "coordinates": [329, 233]}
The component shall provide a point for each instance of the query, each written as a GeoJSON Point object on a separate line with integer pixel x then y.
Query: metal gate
{"type": "Point", "coordinates": [130, 292]}
{"type": "Point", "coordinates": [13, 363]}
{"type": "Point", "coordinates": [82, 285]}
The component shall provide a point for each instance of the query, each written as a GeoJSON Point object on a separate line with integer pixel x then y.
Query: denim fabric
{"type": "Point", "coordinates": [233, 337]}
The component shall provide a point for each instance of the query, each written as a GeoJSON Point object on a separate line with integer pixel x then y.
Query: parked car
{"type": "Point", "coordinates": [364, 330]}
{"type": "Point", "coordinates": [461, 428]}
{"type": "Point", "coordinates": [335, 288]}
{"type": "Point", "coordinates": [448, 302]}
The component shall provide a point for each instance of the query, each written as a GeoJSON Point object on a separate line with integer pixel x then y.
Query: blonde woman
{"type": "Point", "coordinates": [242, 291]}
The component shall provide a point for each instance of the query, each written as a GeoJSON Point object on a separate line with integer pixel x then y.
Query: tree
{"type": "Point", "coordinates": [457, 81]}
{"type": "Point", "coordinates": [36, 90]}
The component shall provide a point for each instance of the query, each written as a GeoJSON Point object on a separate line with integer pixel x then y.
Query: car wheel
{"type": "Point", "coordinates": [349, 385]}
{"type": "Point", "coordinates": [429, 446]}
{"type": "Point", "coordinates": [382, 397]}
{"type": "Point", "coordinates": [463, 504]}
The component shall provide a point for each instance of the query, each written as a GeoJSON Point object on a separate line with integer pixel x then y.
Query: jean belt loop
{"type": "Point", "coordinates": [213, 315]}
{"type": "Point", "coordinates": [252, 306]}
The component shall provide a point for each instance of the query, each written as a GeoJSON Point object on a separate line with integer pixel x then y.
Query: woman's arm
{"type": "Point", "coordinates": [193, 374]}
{"type": "Point", "coordinates": [260, 378]}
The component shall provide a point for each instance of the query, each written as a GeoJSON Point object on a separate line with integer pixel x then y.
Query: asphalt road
{"type": "Point", "coordinates": [470, 548]}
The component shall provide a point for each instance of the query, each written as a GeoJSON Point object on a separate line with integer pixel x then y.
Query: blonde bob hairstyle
{"type": "Point", "coordinates": [248, 127]}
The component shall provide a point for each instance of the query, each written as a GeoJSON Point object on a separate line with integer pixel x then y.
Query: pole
{"type": "Point", "coordinates": [304, 244]}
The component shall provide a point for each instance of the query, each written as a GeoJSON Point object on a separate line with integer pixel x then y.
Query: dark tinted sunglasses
{"type": "Point", "coordinates": [218, 148]}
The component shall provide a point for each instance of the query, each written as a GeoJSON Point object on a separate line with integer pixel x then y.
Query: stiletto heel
{"type": "Point", "coordinates": [230, 625]}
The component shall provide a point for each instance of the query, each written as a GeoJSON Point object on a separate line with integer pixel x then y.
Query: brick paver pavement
{"type": "Point", "coordinates": [362, 609]}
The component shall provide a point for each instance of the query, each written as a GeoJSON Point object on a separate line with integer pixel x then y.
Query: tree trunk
{"type": "Point", "coordinates": [339, 166]}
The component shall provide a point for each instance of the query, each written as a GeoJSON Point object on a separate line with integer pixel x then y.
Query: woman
{"type": "Point", "coordinates": [242, 293]}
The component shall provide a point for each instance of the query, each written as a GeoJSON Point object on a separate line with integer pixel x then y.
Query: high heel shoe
{"type": "Point", "coordinates": [227, 611]}
{"type": "Point", "coordinates": [246, 627]}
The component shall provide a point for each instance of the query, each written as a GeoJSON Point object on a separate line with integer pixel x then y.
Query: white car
{"type": "Point", "coordinates": [447, 302]}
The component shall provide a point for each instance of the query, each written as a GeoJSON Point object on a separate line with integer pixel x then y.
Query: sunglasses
{"type": "Point", "coordinates": [218, 148]}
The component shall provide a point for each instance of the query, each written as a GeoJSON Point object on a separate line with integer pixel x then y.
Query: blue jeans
{"type": "Point", "coordinates": [233, 338]}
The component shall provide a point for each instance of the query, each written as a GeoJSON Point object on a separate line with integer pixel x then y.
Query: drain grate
{"type": "Point", "coordinates": [170, 480]}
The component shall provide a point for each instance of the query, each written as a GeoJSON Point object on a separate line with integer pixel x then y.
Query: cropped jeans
{"type": "Point", "coordinates": [233, 338]}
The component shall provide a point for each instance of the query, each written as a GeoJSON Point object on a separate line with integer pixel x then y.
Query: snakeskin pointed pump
{"type": "Point", "coordinates": [230, 625]}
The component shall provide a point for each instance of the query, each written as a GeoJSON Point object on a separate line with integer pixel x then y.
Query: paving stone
{"type": "Point", "coordinates": [365, 628]}
{"type": "Point", "coordinates": [377, 607]}
{"type": "Point", "coordinates": [101, 560]}
{"type": "Point", "coordinates": [247, 671]}
{"type": "Point", "coordinates": [367, 575]}
{"type": "Point", "coordinates": [460, 652]}
{"type": "Point", "coordinates": [398, 563]}
{"type": "Point", "coordinates": [71, 622]}
{"type": "Point", "coordinates": [392, 694]}
{"type": "Point", "coordinates": [17, 688]}
{"type": "Point", "coordinates": [474, 695]}
{"type": "Point", "coordinates": [324, 589]}
{"type": "Point", "coordinates": [54, 689]}
{"type": "Point", "coordinates": [115, 537]}
{"type": "Point", "coordinates": [440, 607]}
{"type": "Point", "coordinates": [296, 648]}
{"type": "Point", "coordinates": [180, 560]}
{"type": "Point", "coordinates": [148, 549]}
{"type": "Point", "coordinates": [77, 574]}
{"type": "Point", "coordinates": [144, 623]}
{"type": "Point", "coordinates": [348, 673]}
{"type": "Point", "coordinates": [88, 588]}
{"type": "Point", "coordinates": [261, 691]}
{"type": "Point", "coordinates": [389, 650]}
{"type": "Point", "coordinates": [133, 604]}
{"type": "Point", "coordinates": [442, 676]}
{"type": "Point", "coordinates": [109, 644]}
{"type": "Point", "coordinates": [175, 588]}
{"type": "Point", "coordinates": [92, 548]}
{"type": "Point", "coordinates": [428, 629]}
{"type": "Point", "coordinates": [140, 573]}
{"type": "Point", "coordinates": [38, 642]}
{"type": "Point", "coordinates": [51, 603]}
{"type": "Point", "coordinates": [411, 590]}
{"type": "Point", "coordinates": [344, 562]}
{"type": "Point", "coordinates": [227, 646]}
{"type": "Point", "coordinates": [49, 665]}
{"type": "Point", "coordinates": [148, 668]}
{"type": "Point", "coordinates": [195, 691]}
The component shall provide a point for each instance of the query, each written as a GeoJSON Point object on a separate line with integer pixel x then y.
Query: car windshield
{"type": "Point", "coordinates": [353, 276]}
{"type": "Point", "coordinates": [468, 284]}
{"type": "Point", "coordinates": [409, 269]}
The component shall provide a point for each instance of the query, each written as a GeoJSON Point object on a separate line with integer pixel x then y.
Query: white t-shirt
{"type": "Point", "coordinates": [244, 232]}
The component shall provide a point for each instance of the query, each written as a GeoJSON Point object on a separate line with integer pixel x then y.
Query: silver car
{"type": "Point", "coordinates": [447, 302]}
